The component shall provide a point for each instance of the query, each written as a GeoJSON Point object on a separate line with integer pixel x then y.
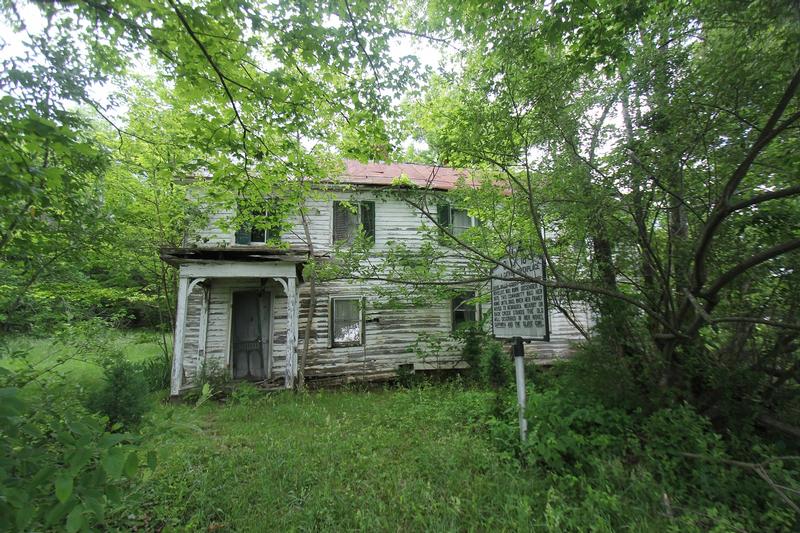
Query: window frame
{"type": "Point", "coordinates": [269, 234]}
{"type": "Point", "coordinates": [443, 208]}
{"type": "Point", "coordinates": [369, 230]}
{"type": "Point", "coordinates": [476, 309]}
{"type": "Point", "coordinates": [362, 304]}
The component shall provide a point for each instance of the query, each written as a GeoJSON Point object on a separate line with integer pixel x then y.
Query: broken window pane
{"type": "Point", "coordinates": [461, 221]}
{"type": "Point", "coordinates": [463, 311]}
{"type": "Point", "coordinates": [346, 321]}
{"type": "Point", "coordinates": [347, 219]}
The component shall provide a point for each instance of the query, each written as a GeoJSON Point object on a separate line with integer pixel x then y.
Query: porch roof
{"type": "Point", "coordinates": [227, 254]}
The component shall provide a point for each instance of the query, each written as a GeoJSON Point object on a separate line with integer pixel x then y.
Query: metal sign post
{"type": "Point", "coordinates": [519, 370]}
{"type": "Point", "coordinates": [519, 312]}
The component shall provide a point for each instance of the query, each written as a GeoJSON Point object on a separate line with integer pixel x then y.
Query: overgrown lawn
{"type": "Point", "coordinates": [387, 460]}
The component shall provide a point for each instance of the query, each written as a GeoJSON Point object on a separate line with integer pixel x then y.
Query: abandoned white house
{"type": "Point", "coordinates": [241, 305]}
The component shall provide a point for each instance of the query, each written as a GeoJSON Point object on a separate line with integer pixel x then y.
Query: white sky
{"type": "Point", "coordinates": [13, 45]}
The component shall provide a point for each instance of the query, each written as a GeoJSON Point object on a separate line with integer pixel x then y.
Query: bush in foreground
{"type": "Point", "coordinates": [122, 397]}
{"type": "Point", "coordinates": [59, 466]}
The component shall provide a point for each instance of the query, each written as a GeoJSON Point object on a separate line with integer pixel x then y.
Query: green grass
{"type": "Point", "coordinates": [343, 460]}
{"type": "Point", "coordinates": [431, 458]}
{"type": "Point", "coordinates": [79, 365]}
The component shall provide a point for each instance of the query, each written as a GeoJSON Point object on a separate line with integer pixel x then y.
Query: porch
{"type": "Point", "coordinates": [230, 312]}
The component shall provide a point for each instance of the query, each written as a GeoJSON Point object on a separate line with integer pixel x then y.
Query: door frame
{"type": "Point", "coordinates": [270, 323]}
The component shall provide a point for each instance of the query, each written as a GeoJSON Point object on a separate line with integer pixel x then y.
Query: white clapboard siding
{"type": "Point", "coordinates": [389, 333]}
{"type": "Point", "coordinates": [563, 335]}
{"type": "Point", "coordinates": [394, 221]}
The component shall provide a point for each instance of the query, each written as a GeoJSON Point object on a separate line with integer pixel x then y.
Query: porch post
{"type": "Point", "coordinates": [180, 328]}
{"type": "Point", "coordinates": [201, 344]}
{"type": "Point", "coordinates": [291, 331]}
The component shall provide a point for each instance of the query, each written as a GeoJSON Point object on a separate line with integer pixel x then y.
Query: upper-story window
{"type": "Point", "coordinates": [258, 229]}
{"type": "Point", "coordinates": [348, 217]}
{"type": "Point", "coordinates": [457, 220]}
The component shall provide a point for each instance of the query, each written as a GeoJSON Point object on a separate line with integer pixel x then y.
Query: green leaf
{"type": "Point", "coordinates": [63, 488]}
{"type": "Point", "coordinates": [114, 462]}
{"type": "Point", "coordinates": [152, 459]}
{"type": "Point", "coordinates": [75, 519]}
{"type": "Point", "coordinates": [112, 493]}
{"type": "Point", "coordinates": [24, 516]}
{"type": "Point", "coordinates": [131, 464]}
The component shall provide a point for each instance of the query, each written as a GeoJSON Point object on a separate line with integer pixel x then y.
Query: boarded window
{"type": "Point", "coordinates": [346, 322]}
{"type": "Point", "coordinates": [463, 309]}
{"type": "Point", "coordinates": [349, 217]}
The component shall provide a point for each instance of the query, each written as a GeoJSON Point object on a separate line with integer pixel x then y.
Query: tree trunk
{"type": "Point", "coordinates": [312, 305]}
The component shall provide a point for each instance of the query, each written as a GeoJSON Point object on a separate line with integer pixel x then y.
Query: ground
{"type": "Point", "coordinates": [435, 457]}
{"type": "Point", "coordinates": [377, 460]}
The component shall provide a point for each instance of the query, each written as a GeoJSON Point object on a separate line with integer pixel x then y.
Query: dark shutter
{"type": "Point", "coordinates": [243, 236]}
{"type": "Point", "coordinates": [368, 218]}
{"type": "Point", "coordinates": [443, 215]}
{"type": "Point", "coordinates": [344, 222]}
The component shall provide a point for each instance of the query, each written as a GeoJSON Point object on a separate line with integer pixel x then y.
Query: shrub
{"type": "Point", "coordinates": [245, 394]}
{"type": "Point", "coordinates": [123, 395]}
{"type": "Point", "coordinates": [59, 467]}
{"type": "Point", "coordinates": [406, 377]}
{"type": "Point", "coordinates": [155, 372]}
{"type": "Point", "coordinates": [496, 365]}
{"type": "Point", "coordinates": [472, 352]}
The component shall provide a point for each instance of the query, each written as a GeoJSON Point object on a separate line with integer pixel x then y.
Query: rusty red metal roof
{"type": "Point", "coordinates": [428, 176]}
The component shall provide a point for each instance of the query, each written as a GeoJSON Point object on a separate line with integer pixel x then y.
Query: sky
{"type": "Point", "coordinates": [12, 45]}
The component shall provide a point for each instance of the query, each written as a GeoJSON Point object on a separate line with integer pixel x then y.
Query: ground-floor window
{"type": "Point", "coordinates": [346, 321]}
{"type": "Point", "coordinates": [463, 310]}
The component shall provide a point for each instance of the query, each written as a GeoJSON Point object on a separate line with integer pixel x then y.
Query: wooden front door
{"type": "Point", "coordinates": [251, 335]}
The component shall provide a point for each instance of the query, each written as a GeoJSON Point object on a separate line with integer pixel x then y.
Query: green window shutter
{"type": "Point", "coordinates": [345, 222]}
{"type": "Point", "coordinates": [368, 218]}
{"type": "Point", "coordinates": [443, 215]}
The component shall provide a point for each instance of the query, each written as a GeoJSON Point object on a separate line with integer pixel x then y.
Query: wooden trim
{"type": "Point", "coordinates": [270, 353]}
{"type": "Point", "coordinates": [362, 316]}
{"type": "Point", "coordinates": [363, 310]}
{"type": "Point", "coordinates": [330, 322]}
{"type": "Point", "coordinates": [238, 269]}
{"type": "Point", "coordinates": [202, 337]}
{"type": "Point", "coordinates": [228, 341]}
{"type": "Point", "coordinates": [176, 380]}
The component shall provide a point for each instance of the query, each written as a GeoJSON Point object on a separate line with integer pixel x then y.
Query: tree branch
{"type": "Point", "coordinates": [753, 261]}
{"type": "Point", "coordinates": [721, 209]}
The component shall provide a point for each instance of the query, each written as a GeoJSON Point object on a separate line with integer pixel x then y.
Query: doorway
{"type": "Point", "coordinates": [250, 347]}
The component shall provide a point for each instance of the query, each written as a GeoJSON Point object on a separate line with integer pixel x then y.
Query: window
{"type": "Point", "coordinates": [259, 229]}
{"type": "Point", "coordinates": [462, 310]}
{"type": "Point", "coordinates": [457, 220]}
{"type": "Point", "coordinates": [346, 322]}
{"type": "Point", "coordinates": [349, 216]}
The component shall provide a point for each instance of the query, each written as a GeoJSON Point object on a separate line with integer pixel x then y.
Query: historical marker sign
{"type": "Point", "coordinates": [519, 308]}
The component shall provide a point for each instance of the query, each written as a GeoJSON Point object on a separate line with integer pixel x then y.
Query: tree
{"type": "Point", "coordinates": [650, 154]}
{"type": "Point", "coordinates": [268, 95]}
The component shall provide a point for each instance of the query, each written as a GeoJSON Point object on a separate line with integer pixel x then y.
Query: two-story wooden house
{"type": "Point", "coordinates": [242, 305]}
